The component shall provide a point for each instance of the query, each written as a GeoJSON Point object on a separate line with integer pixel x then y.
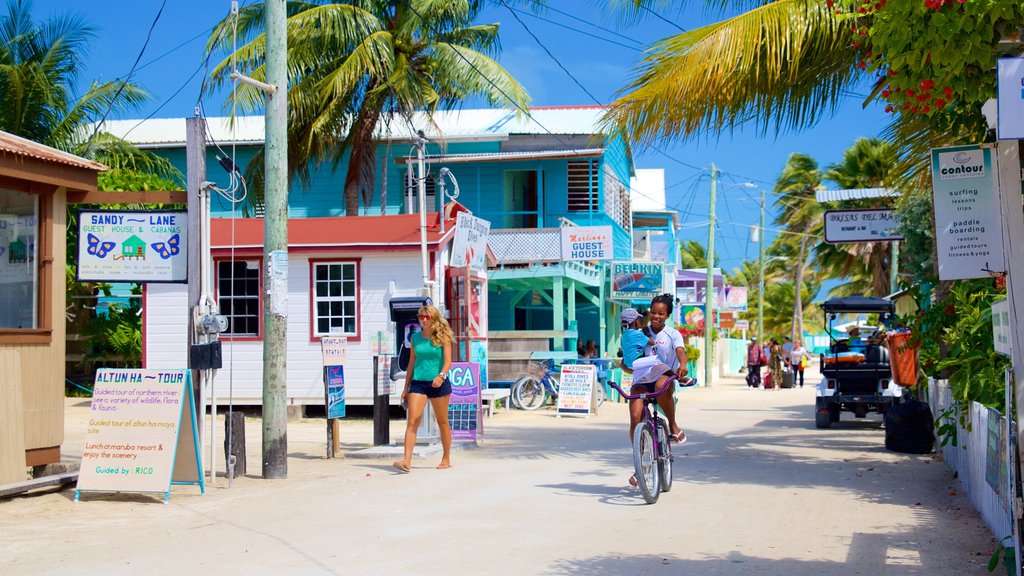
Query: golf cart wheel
{"type": "Point", "coordinates": [822, 419]}
{"type": "Point", "coordinates": [833, 413]}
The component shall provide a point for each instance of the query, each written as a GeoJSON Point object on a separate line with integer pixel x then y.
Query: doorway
{"type": "Point", "coordinates": [521, 199]}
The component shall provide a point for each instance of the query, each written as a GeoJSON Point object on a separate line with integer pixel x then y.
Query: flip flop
{"type": "Point", "coordinates": [679, 438]}
{"type": "Point", "coordinates": [401, 467]}
{"type": "Point", "coordinates": [632, 481]}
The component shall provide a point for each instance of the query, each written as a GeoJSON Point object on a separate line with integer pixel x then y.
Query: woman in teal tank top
{"type": "Point", "coordinates": [426, 378]}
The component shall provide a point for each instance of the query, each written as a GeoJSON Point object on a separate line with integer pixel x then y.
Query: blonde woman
{"type": "Point", "coordinates": [427, 379]}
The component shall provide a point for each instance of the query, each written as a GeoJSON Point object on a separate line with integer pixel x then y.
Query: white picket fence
{"type": "Point", "coordinates": [969, 458]}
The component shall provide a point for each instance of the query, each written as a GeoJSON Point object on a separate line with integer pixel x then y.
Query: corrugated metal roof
{"type": "Point", "coordinates": [489, 123]}
{"type": "Point", "coordinates": [503, 156]}
{"type": "Point", "coordinates": [23, 147]}
{"type": "Point", "coordinates": [854, 194]}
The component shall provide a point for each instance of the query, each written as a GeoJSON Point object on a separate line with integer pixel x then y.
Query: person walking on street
{"type": "Point", "coordinates": [755, 359]}
{"type": "Point", "coordinates": [775, 364]}
{"type": "Point", "coordinates": [787, 351]}
{"type": "Point", "coordinates": [427, 379]}
{"type": "Point", "coordinates": [800, 360]}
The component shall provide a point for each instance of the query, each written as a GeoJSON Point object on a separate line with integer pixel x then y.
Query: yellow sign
{"type": "Point", "coordinates": [133, 441]}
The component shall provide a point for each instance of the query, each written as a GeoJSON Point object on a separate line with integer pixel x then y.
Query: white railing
{"type": "Point", "coordinates": [970, 457]}
{"type": "Point", "coordinates": [616, 200]}
{"type": "Point", "coordinates": [519, 246]}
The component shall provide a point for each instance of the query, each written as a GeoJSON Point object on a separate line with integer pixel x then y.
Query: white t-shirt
{"type": "Point", "coordinates": [665, 344]}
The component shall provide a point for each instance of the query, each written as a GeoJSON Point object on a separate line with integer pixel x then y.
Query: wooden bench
{"type": "Point", "coordinates": [492, 396]}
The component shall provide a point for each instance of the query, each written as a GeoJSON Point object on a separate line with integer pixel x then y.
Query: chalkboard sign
{"type": "Point", "coordinates": [133, 442]}
{"type": "Point", "coordinates": [575, 388]}
{"type": "Point", "coordinates": [464, 405]}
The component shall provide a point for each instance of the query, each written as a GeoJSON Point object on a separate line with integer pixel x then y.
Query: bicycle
{"type": "Point", "coordinates": [532, 391]}
{"type": "Point", "coordinates": [652, 453]}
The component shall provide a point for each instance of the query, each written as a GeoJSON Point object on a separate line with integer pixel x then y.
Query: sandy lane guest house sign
{"type": "Point", "coordinates": [968, 233]}
{"type": "Point", "coordinates": [116, 246]}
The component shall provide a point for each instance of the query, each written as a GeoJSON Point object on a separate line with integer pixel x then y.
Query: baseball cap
{"type": "Point", "coordinates": [629, 315]}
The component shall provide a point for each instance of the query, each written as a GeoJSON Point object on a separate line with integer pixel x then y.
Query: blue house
{"type": "Point", "coordinates": [529, 176]}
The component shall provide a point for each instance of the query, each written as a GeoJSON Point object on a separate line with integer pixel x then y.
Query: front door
{"type": "Point", "coordinates": [520, 199]}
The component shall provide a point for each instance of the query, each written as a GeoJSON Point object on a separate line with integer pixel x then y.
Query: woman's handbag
{"type": "Point", "coordinates": [805, 362]}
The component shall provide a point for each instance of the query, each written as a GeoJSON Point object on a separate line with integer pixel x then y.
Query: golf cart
{"type": "Point", "coordinates": [855, 374]}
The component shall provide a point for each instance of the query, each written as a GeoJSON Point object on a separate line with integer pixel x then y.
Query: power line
{"type": "Point", "coordinates": [578, 31]}
{"type": "Point", "coordinates": [662, 18]}
{"type": "Point", "coordinates": [589, 23]}
{"type": "Point", "coordinates": [124, 83]}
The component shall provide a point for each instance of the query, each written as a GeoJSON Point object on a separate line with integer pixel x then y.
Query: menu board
{"type": "Point", "coordinates": [133, 441]}
{"type": "Point", "coordinates": [464, 405]}
{"type": "Point", "coordinates": [575, 388]}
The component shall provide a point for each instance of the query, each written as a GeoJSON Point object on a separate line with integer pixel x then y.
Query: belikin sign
{"type": "Point", "coordinates": [968, 232]}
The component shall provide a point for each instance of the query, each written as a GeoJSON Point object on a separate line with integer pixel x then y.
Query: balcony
{"type": "Point", "coordinates": [527, 254]}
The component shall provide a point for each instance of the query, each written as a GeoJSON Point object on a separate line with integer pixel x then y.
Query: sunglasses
{"type": "Point", "coordinates": [423, 316]}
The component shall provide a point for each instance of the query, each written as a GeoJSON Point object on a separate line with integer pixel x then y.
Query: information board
{"type": "Point", "coordinates": [464, 405]}
{"type": "Point", "coordinates": [334, 376]}
{"type": "Point", "coordinates": [575, 389]}
{"type": "Point", "coordinates": [133, 442]}
{"type": "Point", "coordinates": [334, 350]}
{"type": "Point", "coordinates": [118, 246]}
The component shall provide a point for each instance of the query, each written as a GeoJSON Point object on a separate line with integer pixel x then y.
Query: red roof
{"type": "Point", "coordinates": [395, 232]}
{"type": "Point", "coordinates": [22, 147]}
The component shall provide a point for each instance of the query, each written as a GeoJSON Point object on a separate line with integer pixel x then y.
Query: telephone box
{"type": "Point", "coordinates": [403, 311]}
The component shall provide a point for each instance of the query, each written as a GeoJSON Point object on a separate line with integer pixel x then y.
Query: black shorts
{"type": "Point", "coordinates": [426, 387]}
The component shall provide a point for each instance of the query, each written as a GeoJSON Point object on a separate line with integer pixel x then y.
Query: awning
{"type": "Point", "coordinates": [854, 194]}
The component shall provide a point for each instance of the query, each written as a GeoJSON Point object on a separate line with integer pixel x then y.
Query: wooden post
{"type": "Point", "coordinates": [381, 409]}
{"type": "Point", "coordinates": [335, 437]}
{"type": "Point", "coordinates": [234, 443]}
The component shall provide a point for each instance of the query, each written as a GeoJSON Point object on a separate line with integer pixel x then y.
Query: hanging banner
{"type": "Point", "coordinates": [587, 243]}
{"type": "Point", "coordinates": [636, 280]}
{"type": "Point", "coordinates": [464, 406]}
{"type": "Point", "coordinates": [133, 441]}
{"type": "Point", "coordinates": [1010, 102]}
{"type": "Point", "coordinates": [850, 226]}
{"type": "Point", "coordinates": [334, 388]}
{"type": "Point", "coordinates": [469, 247]}
{"type": "Point", "coordinates": [132, 246]}
{"type": "Point", "coordinates": [968, 231]}
{"type": "Point", "coordinates": [575, 388]}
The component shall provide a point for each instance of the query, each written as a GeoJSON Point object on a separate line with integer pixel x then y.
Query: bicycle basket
{"type": "Point", "coordinates": [537, 369]}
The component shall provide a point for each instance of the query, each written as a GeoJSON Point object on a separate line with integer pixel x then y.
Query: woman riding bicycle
{"type": "Point", "coordinates": [668, 345]}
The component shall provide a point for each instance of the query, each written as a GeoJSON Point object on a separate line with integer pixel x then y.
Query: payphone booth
{"type": "Point", "coordinates": [403, 311]}
{"type": "Point", "coordinates": [466, 295]}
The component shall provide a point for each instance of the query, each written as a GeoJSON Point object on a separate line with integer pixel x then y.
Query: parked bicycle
{"type": "Point", "coordinates": [532, 391]}
{"type": "Point", "coordinates": [652, 453]}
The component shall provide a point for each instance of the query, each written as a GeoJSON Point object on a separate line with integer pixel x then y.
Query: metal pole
{"type": "Point", "coordinates": [710, 287]}
{"type": "Point", "coordinates": [760, 277]}
{"type": "Point", "coordinates": [275, 250]}
{"type": "Point", "coordinates": [894, 268]}
{"type": "Point", "coordinates": [195, 153]}
{"type": "Point", "coordinates": [421, 183]}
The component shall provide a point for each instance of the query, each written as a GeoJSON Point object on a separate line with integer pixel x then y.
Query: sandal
{"type": "Point", "coordinates": [679, 438]}
{"type": "Point", "coordinates": [632, 481]}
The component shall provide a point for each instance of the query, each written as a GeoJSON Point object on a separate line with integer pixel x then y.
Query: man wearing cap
{"type": "Point", "coordinates": [755, 359]}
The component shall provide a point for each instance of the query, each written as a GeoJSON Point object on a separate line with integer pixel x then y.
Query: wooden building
{"type": "Point", "coordinates": [36, 184]}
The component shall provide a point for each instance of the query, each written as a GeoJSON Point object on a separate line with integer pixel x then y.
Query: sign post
{"type": "Point", "coordinates": [335, 353]}
{"type": "Point", "coordinates": [464, 406]}
{"type": "Point", "coordinates": [134, 441]}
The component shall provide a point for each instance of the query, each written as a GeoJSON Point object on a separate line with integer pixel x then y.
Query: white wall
{"type": "Point", "coordinates": [647, 190]}
{"type": "Point", "coordinates": [166, 338]}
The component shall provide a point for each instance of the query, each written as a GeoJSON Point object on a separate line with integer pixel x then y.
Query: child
{"type": "Point", "coordinates": [634, 341]}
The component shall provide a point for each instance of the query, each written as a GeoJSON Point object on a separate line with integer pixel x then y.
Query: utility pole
{"type": "Point", "coordinates": [275, 249]}
{"type": "Point", "coordinates": [894, 268]}
{"type": "Point", "coordinates": [421, 182]}
{"type": "Point", "coordinates": [709, 288]}
{"type": "Point", "coordinates": [760, 277]}
{"type": "Point", "coordinates": [195, 154]}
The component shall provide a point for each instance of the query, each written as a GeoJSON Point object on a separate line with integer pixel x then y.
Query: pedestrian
{"type": "Point", "coordinates": [800, 361]}
{"type": "Point", "coordinates": [775, 363]}
{"type": "Point", "coordinates": [427, 379]}
{"type": "Point", "coordinates": [787, 351]}
{"type": "Point", "coordinates": [590, 351]}
{"type": "Point", "coordinates": [755, 360]}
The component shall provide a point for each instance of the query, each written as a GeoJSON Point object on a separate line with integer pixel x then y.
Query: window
{"type": "Point", "coordinates": [335, 298]}
{"type": "Point", "coordinates": [582, 192]}
{"type": "Point", "coordinates": [20, 286]}
{"type": "Point", "coordinates": [238, 295]}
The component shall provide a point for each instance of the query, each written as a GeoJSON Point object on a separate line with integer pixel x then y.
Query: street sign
{"type": "Point", "coordinates": [850, 226]}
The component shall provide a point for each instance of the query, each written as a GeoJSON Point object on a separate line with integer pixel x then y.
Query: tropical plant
{"type": "Point", "coordinates": [693, 255]}
{"type": "Point", "coordinates": [351, 62]}
{"type": "Point", "coordinates": [778, 306]}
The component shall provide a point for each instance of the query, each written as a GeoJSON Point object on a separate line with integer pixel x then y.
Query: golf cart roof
{"type": "Point", "coordinates": [858, 304]}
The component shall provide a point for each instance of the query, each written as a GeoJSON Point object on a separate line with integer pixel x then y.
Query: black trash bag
{"type": "Point", "coordinates": [909, 428]}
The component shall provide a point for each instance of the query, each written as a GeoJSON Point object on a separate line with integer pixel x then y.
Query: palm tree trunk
{"type": "Point", "coordinates": [362, 154]}
{"type": "Point", "coordinates": [797, 331]}
{"type": "Point", "coordinates": [879, 269]}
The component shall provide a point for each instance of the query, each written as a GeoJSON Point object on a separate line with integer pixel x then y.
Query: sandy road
{"type": "Point", "coordinates": [758, 490]}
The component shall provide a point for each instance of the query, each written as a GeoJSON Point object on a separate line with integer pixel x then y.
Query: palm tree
{"type": "Point", "coordinates": [869, 163]}
{"type": "Point", "coordinates": [351, 62]}
{"type": "Point", "coordinates": [800, 213]}
{"type": "Point", "coordinates": [693, 255]}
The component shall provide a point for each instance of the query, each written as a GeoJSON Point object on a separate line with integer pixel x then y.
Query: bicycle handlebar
{"type": "Point", "coordinates": [644, 395]}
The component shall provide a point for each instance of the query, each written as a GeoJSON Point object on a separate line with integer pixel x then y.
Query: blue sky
{"type": "Point", "coordinates": [602, 64]}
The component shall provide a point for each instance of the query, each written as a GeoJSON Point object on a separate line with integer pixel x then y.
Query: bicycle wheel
{"type": "Point", "coordinates": [665, 460]}
{"type": "Point", "coordinates": [528, 393]}
{"type": "Point", "coordinates": [645, 462]}
{"type": "Point", "coordinates": [601, 394]}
